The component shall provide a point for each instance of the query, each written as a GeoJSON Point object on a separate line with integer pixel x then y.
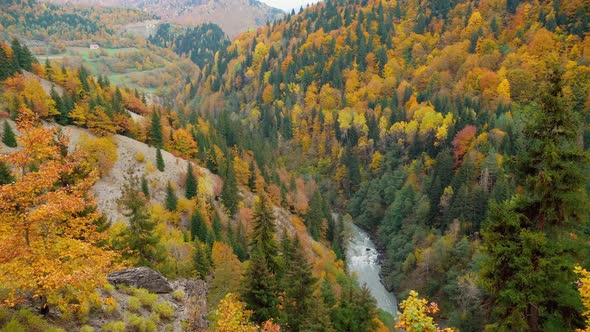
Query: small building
{"type": "Point", "coordinates": [94, 46]}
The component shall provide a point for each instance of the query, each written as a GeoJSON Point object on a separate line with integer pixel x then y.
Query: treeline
{"type": "Point", "coordinates": [15, 58]}
{"type": "Point", "coordinates": [199, 43]}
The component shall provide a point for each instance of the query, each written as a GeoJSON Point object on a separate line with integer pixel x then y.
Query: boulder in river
{"type": "Point", "coordinates": [141, 277]}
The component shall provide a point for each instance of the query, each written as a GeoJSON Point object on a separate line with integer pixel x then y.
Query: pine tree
{"type": "Point", "coordinates": [145, 187]}
{"type": "Point", "coordinates": [530, 250]}
{"type": "Point", "coordinates": [263, 232]}
{"type": "Point", "coordinates": [156, 135]}
{"type": "Point", "coordinates": [171, 199]}
{"type": "Point", "coordinates": [260, 289]}
{"type": "Point", "coordinates": [201, 260]}
{"type": "Point", "coordinates": [299, 292]}
{"type": "Point", "coordinates": [197, 226]}
{"type": "Point", "coordinates": [5, 174]}
{"type": "Point", "coordinates": [191, 182]}
{"type": "Point", "coordinates": [229, 190]}
{"type": "Point", "coordinates": [139, 237]}
{"type": "Point", "coordinates": [8, 136]}
{"type": "Point", "coordinates": [159, 160]}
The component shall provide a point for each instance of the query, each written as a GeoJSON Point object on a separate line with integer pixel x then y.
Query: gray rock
{"type": "Point", "coordinates": [141, 277]}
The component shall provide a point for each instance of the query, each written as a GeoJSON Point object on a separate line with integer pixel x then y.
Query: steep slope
{"type": "Point", "coordinates": [233, 16]}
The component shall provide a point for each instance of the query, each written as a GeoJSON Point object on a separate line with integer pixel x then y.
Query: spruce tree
{"type": "Point", "coordinates": [260, 289]}
{"type": "Point", "coordinates": [263, 232]}
{"type": "Point", "coordinates": [159, 160]}
{"type": "Point", "coordinates": [299, 292]}
{"type": "Point", "coordinates": [8, 136]}
{"type": "Point", "coordinates": [529, 247]}
{"type": "Point", "coordinates": [145, 187]}
{"type": "Point", "coordinates": [171, 199]}
{"type": "Point", "coordinates": [5, 174]}
{"type": "Point", "coordinates": [139, 237]}
{"type": "Point", "coordinates": [201, 260]}
{"type": "Point", "coordinates": [229, 190]}
{"type": "Point", "coordinates": [156, 135]}
{"type": "Point", "coordinates": [191, 182]}
{"type": "Point", "coordinates": [252, 178]}
{"type": "Point", "coordinates": [197, 226]}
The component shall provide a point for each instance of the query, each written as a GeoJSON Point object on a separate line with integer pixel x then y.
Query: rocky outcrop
{"type": "Point", "coordinates": [141, 277]}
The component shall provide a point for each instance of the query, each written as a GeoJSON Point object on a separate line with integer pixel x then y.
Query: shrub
{"type": "Point", "coordinates": [117, 326]}
{"type": "Point", "coordinates": [140, 157]}
{"type": "Point", "coordinates": [164, 309]}
{"type": "Point", "coordinates": [178, 295]}
{"type": "Point", "coordinates": [102, 152]}
{"type": "Point", "coordinates": [146, 298]}
{"type": "Point", "coordinates": [86, 328]}
{"type": "Point", "coordinates": [134, 304]}
{"type": "Point", "coordinates": [141, 324]}
{"type": "Point", "coordinates": [13, 326]}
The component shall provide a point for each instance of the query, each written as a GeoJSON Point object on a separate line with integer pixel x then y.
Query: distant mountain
{"type": "Point", "coordinates": [233, 16]}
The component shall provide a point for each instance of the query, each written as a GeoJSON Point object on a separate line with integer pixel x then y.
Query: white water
{"type": "Point", "coordinates": [362, 259]}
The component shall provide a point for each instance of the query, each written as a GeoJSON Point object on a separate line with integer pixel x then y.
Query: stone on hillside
{"type": "Point", "coordinates": [141, 277]}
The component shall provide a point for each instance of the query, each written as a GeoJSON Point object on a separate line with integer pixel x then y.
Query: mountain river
{"type": "Point", "coordinates": [362, 259]}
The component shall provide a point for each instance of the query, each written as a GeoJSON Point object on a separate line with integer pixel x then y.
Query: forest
{"type": "Point", "coordinates": [455, 132]}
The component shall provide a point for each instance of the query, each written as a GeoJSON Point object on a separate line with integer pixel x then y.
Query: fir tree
{"type": "Point", "coordinates": [139, 237]}
{"type": "Point", "coordinates": [159, 160]}
{"type": "Point", "coordinates": [197, 226]}
{"type": "Point", "coordinates": [191, 182]}
{"type": "Point", "coordinates": [171, 199]}
{"type": "Point", "coordinates": [5, 174]}
{"type": "Point", "coordinates": [156, 135]}
{"type": "Point", "coordinates": [8, 136]}
{"type": "Point", "coordinates": [229, 191]}
{"type": "Point", "coordinates": [530, 250]}
{"type": "Point", "coordinates": [201, 260]}
{"type": "Point", "coordinates": [299, 292]}
{"type": "Point", "coordinates": [263, 232]}
{"type": "Point", "coordinates": [260, 290]}
{"type": "Point", "coordinates": [145, 187]}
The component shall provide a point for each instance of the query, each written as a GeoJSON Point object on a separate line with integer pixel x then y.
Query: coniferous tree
{"type": "Point", "coordinates": [263, 232]}
{"type": "Point", "coordinates": [145, 187]}
{"type": "Point", "coordinates": [160, 160]}
{"type": "Point", "coordinates": [201, 260]}
{"type": "Point", "coordinates": [5, 174]}
{"type": "Point", "coordinates": [197, 226]}
{"type": "Point", "coordinates": [139, 237]}
{"type": "Point", "coordinates": [156, 135]}
{"type": "Point", "coordinates": [229, 190]}
{"type": "Point", "coordinates": [260, 289]}
{"type": "Point", "coordinates": [8, 136]}
{"type": "Point", "coordinates": [299, 292]}
{"type": "Point", "coordinates": [252, 178]}
{"type": "Point", "coordinates": [530, 249]}
{"type": "Point", "coordinates": [191, 182]}
{"type": "Point", "coordinates": [171, 199]}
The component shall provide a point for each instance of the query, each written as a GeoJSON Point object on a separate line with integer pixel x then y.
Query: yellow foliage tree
{"type": "Point", "coordinates": [584, 289]}
{"type": "Point", "coordinates": [101, 152]}
{"type": "Point", "coordinates": [49, 245]}
{"type": "Point", "coordinates": [184, 143]}
{"type": "Point", "coordinates": [415, 316]}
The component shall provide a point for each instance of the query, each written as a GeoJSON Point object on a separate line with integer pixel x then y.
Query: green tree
{"type": "Point", "coordinates": [315, 215]}
{"type": "Point", "coordinates": [202, 260]}
{"type": "Point", "coordinates": [156, 135]}
{"type": "Point", "coordinates": [139, 238]}
{"type": "Point", "coordinates": [229, 190]}
{"type": "Point", "coordinates": [260, 289]}
{"type": "Point", "coordinates": [171, 199]}
{"type": "Point", "coordinates": [356, 309]}
{"type": "Point", "coordinates": [8, 136]}
{"type": "Point", "coordinates": [300, 287]}
{"type": "Point", "coordinates": [145, 187]}
{"type": "Point", "coordinates": [530, 250]}
{"type": "Point", "coordinates": [159, 160]}
{"type": "Point", "coordinates": [191, 182]}
{"type": "Point", "coordinates": [5, 174]}
{"type": "Point", "coordinates": [198, 227]}
{"type": "Point", "coordinates": [263, 232]}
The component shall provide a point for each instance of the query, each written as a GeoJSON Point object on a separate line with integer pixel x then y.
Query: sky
{"type": "Point", "coordinates": [287, 5]}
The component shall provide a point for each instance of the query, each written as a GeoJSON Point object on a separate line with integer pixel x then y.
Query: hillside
{"type": "Point", "coordinates": [233, 16]}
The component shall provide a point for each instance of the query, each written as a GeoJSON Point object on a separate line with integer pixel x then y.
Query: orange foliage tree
{"type": "Point", "coordinates": [49, 243]}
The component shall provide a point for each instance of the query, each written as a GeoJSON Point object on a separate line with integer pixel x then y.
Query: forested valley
{"type": "Point", "coordinates": [456, 133]}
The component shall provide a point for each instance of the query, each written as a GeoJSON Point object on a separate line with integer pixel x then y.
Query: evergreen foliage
{"type": "Point", "coordinates": [6, 176]}
{"type": "Point", "coordinates": [8, 136]}
{"type": "Point", "coordinates": [160, 160]}
{"type": "Point", "coordinates": [229, 190]}
{"type": "Point", "coordinates": [171, 198]}
{"type": "Point", "coordinates": [191, 182]}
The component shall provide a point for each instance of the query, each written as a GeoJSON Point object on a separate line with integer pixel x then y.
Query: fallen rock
{"type": "Point", "coordinates": [141, 277]}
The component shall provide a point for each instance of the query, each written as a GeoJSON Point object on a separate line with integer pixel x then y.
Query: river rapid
{"type": "Point", "coordinates": [362, 259]}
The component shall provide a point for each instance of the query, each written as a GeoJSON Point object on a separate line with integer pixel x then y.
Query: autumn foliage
{"type": "Point", "coordinates": [48, 235]}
